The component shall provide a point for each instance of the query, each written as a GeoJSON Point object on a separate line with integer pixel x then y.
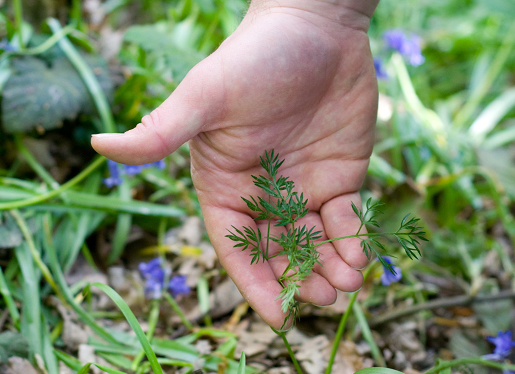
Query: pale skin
{"type": "Point", "coordinates": [296, 76]}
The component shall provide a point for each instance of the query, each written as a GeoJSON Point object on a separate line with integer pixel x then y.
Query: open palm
{"type": "Point", "coordinates": [285, 80]}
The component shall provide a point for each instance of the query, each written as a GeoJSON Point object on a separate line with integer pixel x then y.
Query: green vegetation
{"type": "Point", "coordinates": [444, 152]}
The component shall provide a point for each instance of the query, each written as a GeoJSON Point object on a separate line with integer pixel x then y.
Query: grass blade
{"type": "Point", "coordinates": [241, 366]}
{"type": "Point", "coordinates": [48, 349]}
{"type": "Point", "coordinates": [133, 322]}
{"type": "Point", "coordinates": [123, 225]}
{"type": "Point", "coordinates": [114, 204]}
{"type": "Point", "coordinates": [31, 315]}
{"type": "Point", "coordinates": [63, 286]}
{"type": "Point", "coordinates": [367, 334]}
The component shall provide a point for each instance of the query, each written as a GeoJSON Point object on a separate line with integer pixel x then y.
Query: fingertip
{"type": "Point", "coordinates": [134, 147]}
{"type": "Point", "coordinates": [106, 135]}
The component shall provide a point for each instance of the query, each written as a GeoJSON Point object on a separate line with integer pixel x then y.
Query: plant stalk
{"type": "Point", "coordinates": [290, 351]}
{"type": "Point", "coordinates": [343, 323]}
{"type": "Point", "coordinates": [470, 360]}
{"type": "Point", "coordinates": [177, 309]}
{"type": "Point", "coordinates": [71, 183]}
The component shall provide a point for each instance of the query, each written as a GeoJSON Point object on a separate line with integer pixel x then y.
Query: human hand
{"type": "Point", "coordinates": [296, 76]}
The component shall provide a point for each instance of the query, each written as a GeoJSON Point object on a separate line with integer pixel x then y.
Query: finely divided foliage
{"type": "Point", "coordinates": [299, 244]}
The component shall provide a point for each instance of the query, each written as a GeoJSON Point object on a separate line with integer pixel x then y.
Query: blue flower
{"type": "Point", "coordinates": [6, 46]}
{"type": "Point", "coordinates": [503, 345]}
{"type": "Point", "coordinates": [177, 285]}
{"type": "Point", "coordinates": [132, 169]}
{"type": "Point", "coordinates": [154, 276]}
{"type": "Point", "coordinates": [408, 46]}
{"type": "Point", "coordinates": [380, 72]}
{"type": "Point", "coordinates": [388, 276]}
{"type": "Point", "coordinates": [114, 178]}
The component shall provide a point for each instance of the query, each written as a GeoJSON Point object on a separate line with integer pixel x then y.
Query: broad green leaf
{"type": "Point", "coordinates": [9, 232]}
{"type": "Point", "coordinates": [5, 72]}
{"type": "Point", "coordinates": [495, 315]}
{"type": "Point", "coordinates": [464, 345]}
{"type": "Point", "coordinates": [13, 344]}
{"type": "Point", "coordinates": [41, 95]}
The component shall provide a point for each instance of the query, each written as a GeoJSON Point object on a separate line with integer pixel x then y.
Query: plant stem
{"type": "Point", "coordinates": [343, 323]}
{"type": "Point", "coordinates": [177, 309]}
{"type": "Point", "coordinates": [71, 183]}
{"type": "Point", "coordinates": [471, 360]}
{"type": "Point", "coordinates": [439, 303]}
{"type": "Point", "coordinates": [18, 17]}
{"type": "Point", "coordinates": [43, 47]}
{"type": "Point", "coordinates": [290, 351]}
{"type": "Point", "coordinates": [34, 164]}
{"type": "Point", "coordinates": [339, 332]}
{"type": "Point", "coordinates": [36, 256]}
{"type": "Point", "coordinates": [369, 235]}
{"type": "Point", "coordinates": [152, 323]}
{"type": "Point", "coordinates": [268, 231]}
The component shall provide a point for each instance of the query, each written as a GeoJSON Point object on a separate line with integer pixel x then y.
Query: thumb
{"type": "Point", "coordinates": [185, 113]}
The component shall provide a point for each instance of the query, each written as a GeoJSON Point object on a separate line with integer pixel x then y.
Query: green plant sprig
{"type": "Point", "coordinates": [299, 244]}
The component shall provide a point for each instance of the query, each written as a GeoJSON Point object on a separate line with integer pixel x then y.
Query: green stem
{"type": "Point", "coordinates": [152, 323]}
{"type": "Point", "coordinates": [71, 183]}
{"type": "Point", "coordinates": [18, 18]}
{"type": "Point", "coordinates": [89, 257]}
{"type": "Point", "coordinates": [343, 323]}
{"type": "Point", "coordinates": [76, 13]}
{"type": "Point", "coordinates": [34, 252]}
{"type": "Point", "coordinates": [428, 117]}
{"type": "Point", "coordinates": [268, 232]}
{"type": "Point", "coordinates": [369, 235]}
{"type": "Point", "coordinates": [178, 310]}
{"type": "Point", "coordinates": [290, 351]}
{"type": "Point", "coordinates": [88, 76]}
{"type": "Point", "coordinates": [34, 164]}
{"type": "Point", "coordinates": [43, 47]}
{"type": "Point", "coordinates": [471, 360]}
